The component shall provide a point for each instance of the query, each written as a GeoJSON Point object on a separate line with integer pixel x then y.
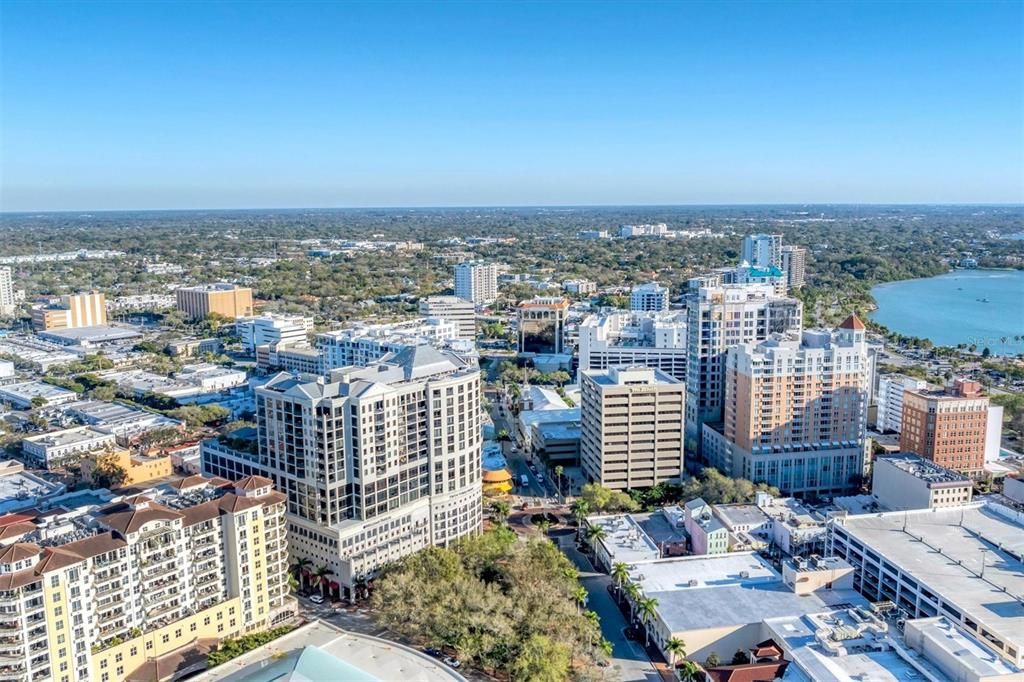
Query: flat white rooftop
{"type": "Point", "coordinates": [943, 549]}
{"type": "Point", "coordinates": [624, 539]}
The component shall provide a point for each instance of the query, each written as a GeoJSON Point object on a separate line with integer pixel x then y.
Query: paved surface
{"type": "Point", "coordinates": [628, 658]}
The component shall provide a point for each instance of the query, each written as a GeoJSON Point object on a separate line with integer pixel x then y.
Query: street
{"type": "Point", "coordinates": [628, 658]}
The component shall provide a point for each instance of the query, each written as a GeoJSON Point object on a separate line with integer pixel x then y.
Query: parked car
{"type": "Point", "coordinates": [452, 662]}
{"type": "Point", "coordinates": [317, 598]}
{"type": "Point", "coordinates": [432, 651]}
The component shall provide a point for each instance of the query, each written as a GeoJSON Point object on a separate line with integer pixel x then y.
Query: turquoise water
{"type": "Point", "coordinates": [947, 310]}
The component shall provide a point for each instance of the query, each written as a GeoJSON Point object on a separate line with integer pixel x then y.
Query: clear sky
{"type": "Point", "coordinates": [260, 104]}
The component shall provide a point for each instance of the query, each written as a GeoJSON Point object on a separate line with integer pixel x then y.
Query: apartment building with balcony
{"type": "Point", "coordinates": [377, 462]}
{"type": "Point", "coordinates": [98, 592]}
{"type": "Point", "coordinates": [795, 412]}
{"type": "Point", "coordinates": [718, 317]}
{"type": "Point", "coordinates": [631, 427]}
{"type": "Point", "coordinates": [476, 282]}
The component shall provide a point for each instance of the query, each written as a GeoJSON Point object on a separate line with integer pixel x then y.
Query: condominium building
{"type": "Point", "coordinates": [651, 339]}
{"type": "Point", "coordinates": [542, 325]}
{"type": "Point", "coordinates": [762, 250]}
{"type": "Point", "coordinates": [476, 282]}
{"type": "Point", "coordinates": [72, 312]}
{"type": "Point", "coordinates": [365, 344]}
{"type": "Point", "coordinates": [454, 309]}
{"type": "Point", "coordinates": [632, 426]}
{"type": "Point", "coordinates": [796, 411]}
{"type": "Point", "coordinates": [903, 481]}
{"type": "Point", "coordinates": [891, 388]}
{"type": "Point", "coordinates": [580, 287]}
{"type": "Point", "coordinates": [718, 317]}
{"type": "Point", "coordinates": [287, 330]}
{"type": "Point", "coordinates": [103, 591]}
{"type": "Point", "coordinates": [649, 297]}
{"type": "Point", "coordinates": [947, 426]}
{"type": "Point", "coordinates": [6, 292]}
{"type": "Point", "coordinates": [377, 462]}
{"type": "Point", "coordinates": [794, 264]}
{"type": "Point", "coordinates": [229, 300]}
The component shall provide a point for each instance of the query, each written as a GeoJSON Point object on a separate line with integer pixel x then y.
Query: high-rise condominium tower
{"type": "Point", "coordinates": [794, 263]}
{"type": "Point", "coordinates": [476, 282]}
{"type": "Point", "coordinates": [6, 291]}
{"type": "Point", "coordinates": [796, 411]}
{"type": "Point", "coordinates": [649, 297]}
{"type": "Point", "coordinates": [947, 426]}
{"type": "Point", "coordinates": [377, 462]}
{"type": "Point", "coordinates": [719, 317]}
{"type": "Point", "coordinates": [763, 250]}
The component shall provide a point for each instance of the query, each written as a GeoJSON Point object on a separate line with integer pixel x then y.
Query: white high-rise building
{"type": "Point", "coordinates": [718, 317]}
{"type": "Point", "coordinates": [6, 292]}
{"type": "Point", "coordinates": [632, 427]}
{"type": "Point", "coordinates": [891, 388]}
{"type": "Point", "coordinates": [651, 339]}
{"type": "Point", "coordinates": [377, 462]}
{"type": "Point", "coordinates": [649, 297]}
{"type": "Point", "coordinates": [476, 282]}
{"type": "Point", "coordinates": [287, 331]}
{"type": "Point", "coordinates": [458, 310]}
{"type": "Point", "coordinates": [763, 250]}
{"type": "Point", "coordinates": [365, 344]}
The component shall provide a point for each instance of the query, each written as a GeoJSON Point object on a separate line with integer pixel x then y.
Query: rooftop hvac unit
{"type": "Point", "coordinates": [693, 582]}
{"type": "Point", "coordinates": [744, 574]}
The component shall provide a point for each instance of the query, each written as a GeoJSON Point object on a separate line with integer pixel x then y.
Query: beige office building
{"type": "Point", "coordinates": [542, 325]}
{"type": "Point", "coordinates": [457, 310]}
{"type": "Point", "coordinates": [228, 300]}
{"type": "Point", "coordinates": [632, 426]}
{"type": "Point", "coordinates": [78, 310]}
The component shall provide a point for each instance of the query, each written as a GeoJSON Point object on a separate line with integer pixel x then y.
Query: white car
{"type": "Point", "coordinates": [316, 598]}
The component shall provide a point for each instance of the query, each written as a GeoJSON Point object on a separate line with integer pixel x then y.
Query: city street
{"type": "Point", "coordinates": [628, 658]}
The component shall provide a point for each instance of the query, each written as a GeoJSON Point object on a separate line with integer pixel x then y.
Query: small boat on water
{"type": "Point", "coordinates": [984, 300]}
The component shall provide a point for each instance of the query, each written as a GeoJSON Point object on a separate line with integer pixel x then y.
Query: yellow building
{"type": "Point", "coordinates": [143, 586]}
{"type": "Point", "coordinates": [497, 482]}
{"type": "Point", "coordinates": [228, 300]}
{"type": "Point", "coordinates": [138, 468]}
{"type": "Point", "coordinates": [79, 310]}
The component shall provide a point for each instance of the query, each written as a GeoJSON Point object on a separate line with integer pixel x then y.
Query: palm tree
{"type": "Point", "coordinates": [301, 566]}
{"type": "Point", "coordinates": [580, 508]}
{"type": "Point", "coordinates": [580, 595]}
{"type": "Point", "coordinates": [595, 534]}
{"type": "Point", "coordinates": [620, 574]}
{"type": "Point", "coordinates": [675, 648]}
{"type": "Point", "coordinates": [544, 526]}
{"type": "Point", "coordinates": [293, 583]}
{"type": "Point", "coordinates": [648, 607]}
{"type": "Point", "coordinates": [633, 595]}
{"type": "Point", "coordinates": [558, 472]}
{"type": "Point", "coordinates": [688, 671]}
{"type": "Point", "coordinates": [501, 511]}
{"type": "Point", "coordinates": [320, 578]}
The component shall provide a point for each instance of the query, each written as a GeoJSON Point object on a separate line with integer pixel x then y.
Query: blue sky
{"type": "Point", "coordinates": [259, 104]}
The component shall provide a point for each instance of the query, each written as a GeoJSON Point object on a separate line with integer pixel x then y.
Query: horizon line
{"type": "Point", "coordinates": [1000, 204]}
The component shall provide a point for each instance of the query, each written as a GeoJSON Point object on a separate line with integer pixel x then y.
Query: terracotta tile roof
{"type": "Point", "coordinates": [766, 648]}
{"type": "Point", "coordinates": [10, 581]}
{"type": "Point", "coordinates": [253, 483]}
{"type": "Point", "coordinates": [16, 530]}
{"type": "Point", "coordinates": [853, 322]}
{"type": "Point", "coordinates": [19, 551]}
{"type": "Point", "coordinates": [55, 558]}
{"type": "Point", "coordinates": [272, 498]}
{"type": "Point", "coordinates": [130, 521]}
{"type": "Point", "coordinates": [206, 511]}
{"type": "Point", "coordinates": [193, 481]}
{"type": "Point", "coordinates": [750, 672]}
{"type": "Point", "coordinates": [96, 545]}
{"type": "Point", "coordinates": [234, 503]}
{"type": "Point", "coordinates": [18, 517]}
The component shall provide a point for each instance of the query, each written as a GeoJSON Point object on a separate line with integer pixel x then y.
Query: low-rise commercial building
{"type": "Point", "coordinates": [138, 469]}
{"type": "Point", "coordinates": [290, 330]}
{"type": "Point", "coordinates": [20, 489]}
{"type": "Point", "coordinates": [32, 393]}
{"type": "Point", "coordinates": [904, 481]}
{"type": "Point", "coordinates": [61, 448]}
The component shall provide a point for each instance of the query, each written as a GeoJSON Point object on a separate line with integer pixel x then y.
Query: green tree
{"type": "Point", "coordinates": [541, 660]}
{"type": "Point", "coordinates": [712, 661]}
{"type": "Point", "coordinates": [501, 510]}
{"type": "Point", "coordinates": [620, 574]}
{"type": "Point", "coordinates": [647, 609]}
{"type": "Point", "coordinates": [676, 649]}
{"type": "Point", "coordinates": [108, 474]}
